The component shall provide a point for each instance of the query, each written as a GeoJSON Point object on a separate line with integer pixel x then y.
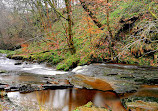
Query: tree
{"type": "Point", "coordinates": [110, 32]}
{"type": "Point", "coordinates": [99, 25]}
{"type": "Point", "coordinates": [70, 35]}
{"type": "Point", "coordinates": [93, 17]}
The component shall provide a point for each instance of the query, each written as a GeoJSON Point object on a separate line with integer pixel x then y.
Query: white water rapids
{"type": "Point", "coordinates": [35, 68]}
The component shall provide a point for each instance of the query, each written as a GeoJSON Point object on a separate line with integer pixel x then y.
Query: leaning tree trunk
{"type": "Point", "coordinates": [93, 17]}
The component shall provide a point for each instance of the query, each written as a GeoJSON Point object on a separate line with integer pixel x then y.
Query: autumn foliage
{"type": "Point", "coordinates": [82, 32]}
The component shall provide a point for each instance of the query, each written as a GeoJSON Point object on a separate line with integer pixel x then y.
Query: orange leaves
{"type": "Point", "coordinates": [100, 1]}
{"type": "Point", "coordinates": [90, 30]}
{"type": "Point", "coordinates": [49, 44]}
{"type": "Point", "coordinates": [93, 30]}
{"type": "Point", "coordinates": [90, 26]}
{"type": "Point", "coordinates": [24, 47]}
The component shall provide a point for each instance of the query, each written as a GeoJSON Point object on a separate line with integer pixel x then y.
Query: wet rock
{"type": "Point", "coordinates": [52, 82]}
{"type": "Point", "coordinates": [64, 82]}
{"type": "Point", "coordinates": [26, 88]}
{"type": "Point", "coordinates": [16, 57]}
{"type": "Point", "coordinates": [30, 88]}
{"type": "Point", "coordinates": [37, 88]}
{"type": "Point", "coordinates": [127, 77]}
{"type": "Point", "coordinates": [2, 87]}
{"type": "Point", "coordinates": [147, 81]}
{"type": "Point", "coordinates": [2, 71]}
{"type": "Point", "coordinates": [58, 81]}
{"type": "Point", "coordinates": [3, 84]}
{"type": "Point", "coordinates": [131, 91]}
{"type": "Point", "coordinates": [153, 81]}
{"type": "Point", "coordinates": [142, 103]}
{"type": "Point", "coordinates": [18, 63]}
{"type": "Point", "coordinates": [11, 88]}
{"type": "Point", "coordinates": [90, 82]}
{"type": "Point", "coordinates": [46, 77]}
{"type": "Point", "coordinates": [114, 74]}
{"type": "Point", "coordinates": [53, 86]}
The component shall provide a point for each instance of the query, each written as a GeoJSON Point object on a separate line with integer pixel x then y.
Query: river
{"type": "Point", "coordinates": [134, 86]}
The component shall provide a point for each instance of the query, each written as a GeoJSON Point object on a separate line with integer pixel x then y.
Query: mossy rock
{"type": "Point", "coordinates": [90, 107]}
{"type": "Point", "coordinates": [2, 71]}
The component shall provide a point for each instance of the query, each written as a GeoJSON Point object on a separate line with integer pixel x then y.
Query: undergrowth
{"type": "Point", "coordinates": [90, 42]}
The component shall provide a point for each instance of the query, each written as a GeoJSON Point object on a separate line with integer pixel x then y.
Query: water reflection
{"type": "Point", "coordinates": [67, 99]}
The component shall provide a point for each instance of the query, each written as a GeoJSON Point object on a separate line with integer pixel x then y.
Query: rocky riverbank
{"type": "Point", "coordinates": [143, 99]}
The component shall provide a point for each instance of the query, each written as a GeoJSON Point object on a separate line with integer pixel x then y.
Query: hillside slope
{"type": "Point", "coordinates": [135, 35]}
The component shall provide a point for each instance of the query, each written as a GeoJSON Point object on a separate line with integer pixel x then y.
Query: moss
{"type": "Point", "coordinates": [68, 63]}
{"type": "Point", "coordinates": [131, 61]}
{"type": "Point", "coordinates": [89, 104]}
{"type": "Point", "coordinates": [7, 52]}
{"type": "Point", "coordinates": [50, 57]}
{"type": "Point", "coordinates": [62, 66]}
{"type": "Point", "coordinates": [84, 60]}
{"type": "Point", "coordinates": [2, 71]}
{"type": "Point", "coordinates": [90, 107]}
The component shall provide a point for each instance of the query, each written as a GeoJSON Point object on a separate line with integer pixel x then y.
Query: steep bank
{"type": "Point", "coordinates": [134, 39]}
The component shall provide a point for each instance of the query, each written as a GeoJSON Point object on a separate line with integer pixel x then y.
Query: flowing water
{"type": "Point", "coordinates": [130, 83]}
{"type": "Point", "coordinates": [25, 72]}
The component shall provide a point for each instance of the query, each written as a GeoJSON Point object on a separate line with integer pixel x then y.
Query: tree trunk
{"type": "Point", "coordinates": [93, 17]}
{"type": "Point", "coordinates": [110, 33]}
{"type": "Point", "coordinates": [70, 35]}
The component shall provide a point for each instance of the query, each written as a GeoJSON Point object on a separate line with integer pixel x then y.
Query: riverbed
{"type": "Point", "coordinates": [133, 86]}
